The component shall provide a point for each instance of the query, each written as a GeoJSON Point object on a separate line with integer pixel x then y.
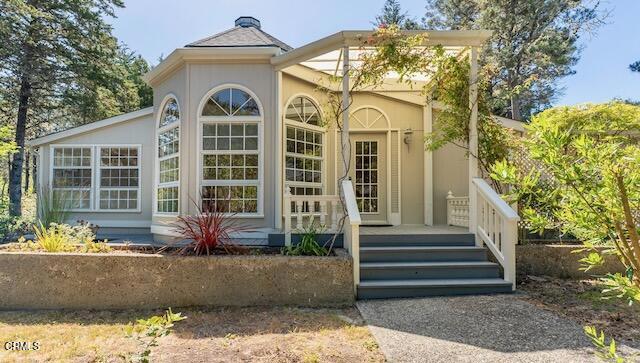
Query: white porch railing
{"type": "Point", "coordinates": [323, 211]}
{"type": "Point", "coordinates": [457, 210]}
{"type": "Point", "coordinates": [497, 227]}
{"type": "Point", "coordinates": [326, 211]}
{"type": "Point", "coordinates": [352, 230]}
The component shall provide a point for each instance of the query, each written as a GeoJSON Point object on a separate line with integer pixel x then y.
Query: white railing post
{"type": "Point", "coordinates": [496, 226]}
{"type": "Point", "coordinates": [352, 230]}
{"type": "Point", "coordinates": [286, 200]}
{"type": "Point", "coordinates": [449, 209]}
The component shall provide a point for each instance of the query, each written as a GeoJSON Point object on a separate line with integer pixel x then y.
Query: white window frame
{"type": "Point", "coordinates": [99, 167]}
{"type": "Point", "coordinates": [301, 125]}
{"type": "Point", "coordinates": [52, 149]}
{"type": "Point", "coordinates": [156, 178]}
{"type": "Point", "coordinates": [209, 120]}
{"type": "Point", "coordinates": [95, 176]}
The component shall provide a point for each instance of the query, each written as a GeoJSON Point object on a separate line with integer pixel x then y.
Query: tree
{"type": "Point", "coordinates": [50, 48]}
{"type": "Point", "coordinates": [534, 43]}
{"type": "Point", "coordinates": [635, 67]}
{"type": "Point", "coordinates": [589, 185]}
{"type": "Point", "coordinates": [392, 14]}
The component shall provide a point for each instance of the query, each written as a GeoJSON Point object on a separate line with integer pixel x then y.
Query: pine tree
{"type": "Point", "coordinates": [534, 44]}
{"type": "Point", "coordinates": [392, 14]}
{"type": "Point", "coordinates": [635, 67]}
{"type": "Point", "coordinates": [48, 48]}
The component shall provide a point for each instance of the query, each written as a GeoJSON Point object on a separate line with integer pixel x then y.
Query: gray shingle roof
{"type": "Point", "coordinates": [241, 37]}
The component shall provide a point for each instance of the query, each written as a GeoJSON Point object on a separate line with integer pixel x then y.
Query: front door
{"type": "Point", "coordinates": [369, 175]}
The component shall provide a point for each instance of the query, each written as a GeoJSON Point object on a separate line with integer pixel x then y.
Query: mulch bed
{"type": "Point", "coordinates": [581, 301]}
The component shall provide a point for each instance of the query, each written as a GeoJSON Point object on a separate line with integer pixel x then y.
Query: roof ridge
{"type": "Point", "coordinates": [261, 34]}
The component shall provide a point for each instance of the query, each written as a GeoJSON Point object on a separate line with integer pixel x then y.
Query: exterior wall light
{"type": "Point", "coordinates": [408, 135]}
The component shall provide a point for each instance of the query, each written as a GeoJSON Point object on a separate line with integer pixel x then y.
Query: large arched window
{"type": "Point", "coordinates": [168, 154]}
{"type": "Point", "coordinates": [230, 163]}
{"type": "Point", "coordinates": [304, 148]}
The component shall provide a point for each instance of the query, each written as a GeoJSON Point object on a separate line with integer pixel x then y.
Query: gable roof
{"type": "Point", "coordinates": [241, 36]}
{"type": "Point", "coordinates": [90, 127]}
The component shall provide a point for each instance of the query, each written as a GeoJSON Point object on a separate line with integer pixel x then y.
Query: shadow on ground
{"type": "Point", "coordinates": [473, 329]}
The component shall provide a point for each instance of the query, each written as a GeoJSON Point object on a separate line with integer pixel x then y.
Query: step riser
{"type": "Point", "coordinates": [400, 243]}
{"type": "Point", "coordinates": [388, 293]}
{"type": "Point", "coordinates": [422, 256]}
{"type": "Point", "coordinates": [465, 239]}
{"type": "Point", "coordinates": [463, 272]}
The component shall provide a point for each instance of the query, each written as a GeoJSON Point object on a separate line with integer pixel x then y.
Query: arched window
{"type": "Point", "coordinates": [304, 151]}
{"type": "Point", "coordinates": [231, 121]}
{"type": "Point", "coordinates": [168, 154]}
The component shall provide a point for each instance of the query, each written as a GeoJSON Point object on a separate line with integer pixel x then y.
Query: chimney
{"type": "Point", "coordinates": [248, 21]}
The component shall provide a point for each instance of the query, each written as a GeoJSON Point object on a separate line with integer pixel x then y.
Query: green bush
{"type": "Point", "coordinates": [308, 246]}
{"type": "Point", "coordinates": [63, 237]}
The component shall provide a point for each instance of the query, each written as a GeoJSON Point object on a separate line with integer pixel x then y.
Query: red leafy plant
{"type": "Point", "coordinates": [210, 229]}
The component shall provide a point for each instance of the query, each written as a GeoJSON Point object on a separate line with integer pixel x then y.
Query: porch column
{"type": "Point", "coordinates": [473, 137]}
{"type": "Point", "coordinates": [346, 146]}
{"type": "Point", "coordinates": [279, 170]}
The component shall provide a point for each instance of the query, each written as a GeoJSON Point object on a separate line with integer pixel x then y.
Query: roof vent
{"type": "Point", "coordinates": [248, 21]}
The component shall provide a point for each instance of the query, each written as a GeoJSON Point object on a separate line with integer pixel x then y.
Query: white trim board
{"type": "Point", "coordinates": [90, 127]}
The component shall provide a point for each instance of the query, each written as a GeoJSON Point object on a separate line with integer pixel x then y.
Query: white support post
{"type": "Point", "coordinates": [279, 184]}
{"type": "Point", "coordinates": [427, 124]}
{"type": "Point", "coordinates": [346, 146]}
{"type": "Point", "coordinates": [473, 140]}
{"type": "Point", "coordinates": [286, 201]}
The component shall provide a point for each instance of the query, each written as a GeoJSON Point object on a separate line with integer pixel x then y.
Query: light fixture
{"type": "Point", "coordinates": [408, 134]}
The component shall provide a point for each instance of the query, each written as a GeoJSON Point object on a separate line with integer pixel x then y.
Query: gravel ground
{"type": "Point", "coordinates": [497, 328]}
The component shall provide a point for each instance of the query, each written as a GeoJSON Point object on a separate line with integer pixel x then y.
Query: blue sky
{"type": "Point", "coordinates": [155, 27]}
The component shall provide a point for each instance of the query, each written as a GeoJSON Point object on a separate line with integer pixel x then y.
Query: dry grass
{"type": "Point", "coordinates": [216, 335]}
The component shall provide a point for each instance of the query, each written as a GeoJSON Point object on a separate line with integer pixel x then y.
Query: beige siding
{"type": "Point", "coordinates": [136, 131]}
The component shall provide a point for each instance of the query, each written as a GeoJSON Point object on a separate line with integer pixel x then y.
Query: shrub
{"type": "Point", "coordinates": [52, 239]}
{"type": "Point", "coordinates": [308, 246]}
{"type": "Point", "coordinates": [52, 208]}
{"type": "Point", "coordinates": [63, 237]}
{"type": "Point", "coordinates": [209, 229]}
{"type": "Point", "coordinates": [147, 332]}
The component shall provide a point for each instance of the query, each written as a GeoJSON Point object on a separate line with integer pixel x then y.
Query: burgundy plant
{"type": "Point", "coordinates": [209, 229]}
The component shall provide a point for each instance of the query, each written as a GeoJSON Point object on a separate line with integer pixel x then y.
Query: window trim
{"type": "Point", "coordinates": [156, 174]}
{"type": "Point", "coordinates": [95, 176]}
{"type": "Point", "coordinates": [303, 125]}
{"type": "Point", "coordinates": [258, 120]}
{"type": "Point", "coordinates": [98, 151]}
{"type": "Point", "coordinates": [52, 149]}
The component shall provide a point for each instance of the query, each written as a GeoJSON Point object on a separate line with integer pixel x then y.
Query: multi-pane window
{"type": "Point", "coordinates": [168, 158]}
{"type": "Point", "coordinates": [167, 198]}
{"type": "Point", "coordinates": [230, 161]}
{"type": "Point", "coordinates": [303, 147]}
{"type": "Point", "coordinates": [119, 178]}
{"type": "Point", "coordinates": [366, 184]}
{"type": "Point", "coordinates": [72, 176]}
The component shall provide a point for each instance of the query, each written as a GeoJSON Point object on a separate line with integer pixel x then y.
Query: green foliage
{"type": "Point", "coordinates": [604, 351]}
{"type": "Point", "coordinates": [392, 14]}
{"type": "Point", "coordinates": [621, 287]}
{"type": "Point", "coordinates": [147, 332]}
{"type": "Point", "coordinates": [635, 67]}
{"type": "Point", "coordinates": [533, 44]}
{"type": "Point", "coordinates": [52, 208]}
{"type": "Point", "coordinates": [64, 238]}
{"type": "Point", "coordinates": [308, 245]}
{"type": "Point", "coordinates": [588, 184]}
{"type": "Point", "coordinates": [7, 145]}
{"type": "Point", "coordinates": [52, 239]}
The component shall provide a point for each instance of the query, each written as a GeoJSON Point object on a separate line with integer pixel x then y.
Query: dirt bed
{"type": "Point", "coordinates": [581, 301]}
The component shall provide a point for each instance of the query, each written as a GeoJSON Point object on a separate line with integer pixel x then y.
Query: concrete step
{"type": "Point", "coordinates": [449, 239]}
{"type": "Point", "coordinates": [384, 289]}
{"type": "Point", "coordinates": [428, 270]}
{"type": "Point", "coordinates": [423, 254]}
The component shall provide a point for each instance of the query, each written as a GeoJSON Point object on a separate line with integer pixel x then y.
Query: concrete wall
{"type": "Point", "coordinates": [128, 280]}
{"type": "Point", "coordinates": [559, 261]}
{"type": "Point", "coordinates": [139, 131]}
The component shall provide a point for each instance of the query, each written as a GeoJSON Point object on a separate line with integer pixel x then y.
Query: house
{"type": "Point", "coordinates": [238, 122]}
